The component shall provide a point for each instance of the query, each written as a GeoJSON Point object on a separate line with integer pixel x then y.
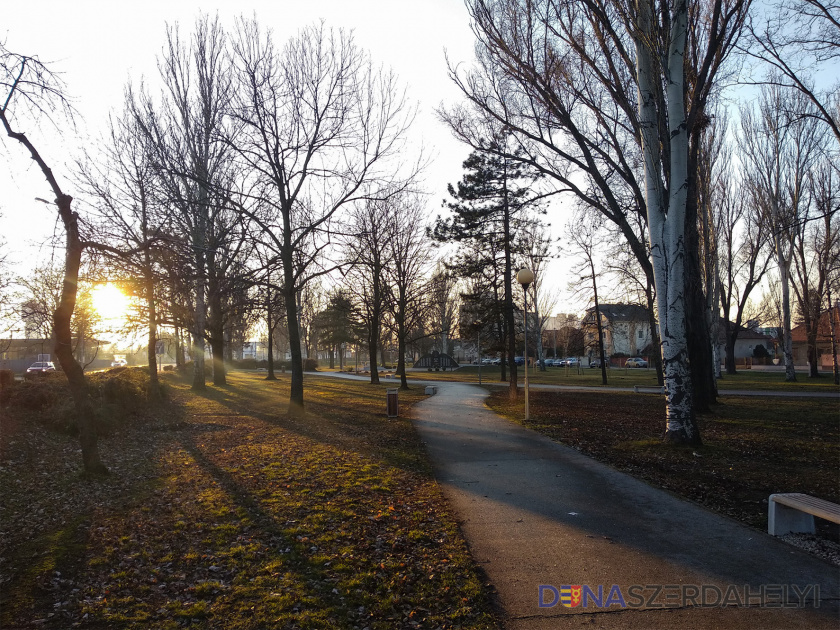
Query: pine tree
{"type": "Point", "coordinates": [487, 208]}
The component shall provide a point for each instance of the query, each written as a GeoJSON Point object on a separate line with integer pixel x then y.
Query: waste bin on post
{"type": "Point", "coordinates": [392, 403]}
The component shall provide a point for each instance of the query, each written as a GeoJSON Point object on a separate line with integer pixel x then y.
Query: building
{"type": "Point", "coordinates": [800, 341]}
{"type": "Point", "coordinates": [746, 343]}
{"type": "Point", "coordinates": [625, 327]}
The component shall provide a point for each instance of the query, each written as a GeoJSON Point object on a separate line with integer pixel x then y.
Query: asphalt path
{"type": "Point", "coordinates": [539, 516]}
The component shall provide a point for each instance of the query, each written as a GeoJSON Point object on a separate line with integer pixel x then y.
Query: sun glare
{"type": "Point", "coordinates": [109, 302]}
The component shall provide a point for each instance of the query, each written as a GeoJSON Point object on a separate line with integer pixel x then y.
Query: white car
{"type": "Point", "coordinates": [119, 363]}
{"type": "Point", "coordinates": [41, 367]}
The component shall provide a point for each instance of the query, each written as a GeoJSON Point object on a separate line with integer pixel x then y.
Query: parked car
{"type": "Point", "coordinates": [636, 362]}
{"type": "Point", "coordinates": [519, 360]}
{"type": "Point", "coordinates": [119, 363]}
{"type": "Point", "coordinates": [40, 367]}
{"type": "Point", "coordinates": [551, 362]}
{"type": "Point", "coordinates": [488, 361]}
{"type": "Point", "coordinates": [568, 362]}
{"type": "Point", "coordinates": [596, 363]}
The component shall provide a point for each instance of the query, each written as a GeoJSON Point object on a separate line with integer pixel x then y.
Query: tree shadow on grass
{"type": "Point", "coordinates": [347, 415]}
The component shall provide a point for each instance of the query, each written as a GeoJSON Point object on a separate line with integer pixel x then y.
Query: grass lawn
{"type": "Point", "coordinates": [628, 377]}
{"type": "Point", "coordinates": [752, 447]}
{"type": "Point", "coordinates": [223, 512]}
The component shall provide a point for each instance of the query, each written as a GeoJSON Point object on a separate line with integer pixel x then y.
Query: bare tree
{"type": "Point", "coordinates": [410, 257]}
{"type": "Point", "coordinates": [321, 128]}
{"type": "Point", "coordinates": [596, 96]}
{"type": "Point", "coordinates": [6, 320]}
{"type": "Point", "coordinates": [778, 148]}
{"type": "Point", "coordinates": [814, 252]}
{"type": "Point", "coordinates": [39, 296]}
{"type": "Point", "coordinates": [443, 306]}
{"type": "Point", "coordinates": [583, 231]}
{"type": "Point", "coordinates": [369, 255]}
{"type": "Point", "coordinates": [127, 220]}
{"type": "Point", "coordinates": [187, 135]}
{"type": "Point", "coordinates": [33, 90]}
{"type": "Point", "coordinates": [742, 256]}
{"type": "Point", "coordinates": [796, 39]}
{"type": "Point", "coordinates": [825, 191]}
{"type": "Point", "coordinates": [536, 245]}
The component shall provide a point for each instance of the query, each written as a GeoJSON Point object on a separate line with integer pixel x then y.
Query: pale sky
{"type": "Point", "coordinates": [99, 46]}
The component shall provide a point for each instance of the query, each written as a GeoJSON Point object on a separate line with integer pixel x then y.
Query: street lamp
{"type": "Point", "coordinates": [525, 277]}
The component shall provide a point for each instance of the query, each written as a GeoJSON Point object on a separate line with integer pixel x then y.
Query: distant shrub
{"type": "Point", "coordinates": [7, 377]}
{"type": "Point", "coordinates": [38, 394]}
{"type": "Point", "coordinates": [310, 365]}
{"type": "Point", "coordinates": [760, 352]}
{"type": "Point", "coordinates": [245, 364]}
{"type": "Point", "coordinates": [116, 394]}
{"type": "Point", "coordinates": [168, 368]}
{"type": "Point", "coordinates": [122, 387]}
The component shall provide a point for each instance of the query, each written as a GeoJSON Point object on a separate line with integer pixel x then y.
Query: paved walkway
{"type": "Point", "coordinates": [538, 513]}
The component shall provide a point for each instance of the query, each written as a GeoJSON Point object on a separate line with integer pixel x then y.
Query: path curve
{"type": "Point", "coordinates": [535, 512]}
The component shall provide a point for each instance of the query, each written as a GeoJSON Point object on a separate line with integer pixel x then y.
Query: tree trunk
{"type": "Point", "coordinates": [699, 348]}
{"type": "Point", "coordinates": [598, 325]}
{"type": "Point", "coordinates": [731, 338]}
{"type": "Point", "coordinates": [510, 322]}
{"type": "Point", "coordinates": [270, 332]}
{"type": "Point", "coordinates": [813, 355]}
{"type": "Point", "coordinates": [88, 437]}
{"type": "Point", "coordinates": [655, 341]}
{"type": "Point", "coordinates": [401, 357]}
{"type": "Point", "coordinates": [666, 217]}
{"type": "Point", "coordinates": [199, 316]}
{"type": "Point", "coordinates": [787, 338]}
{"type": "Point", "coordinates": [697, 329]}
{"type": "Point", "coordinates": [216, 325]}
{"type": "Point", "coordinates": [151, 348]}
{"type": "Point", "coordinates": [296, 407]}
{"type": "Point", "coordinates": [832, 314]}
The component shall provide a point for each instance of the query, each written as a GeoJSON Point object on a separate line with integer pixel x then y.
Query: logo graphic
{"type": "Point", "coordinates": [570, 595]}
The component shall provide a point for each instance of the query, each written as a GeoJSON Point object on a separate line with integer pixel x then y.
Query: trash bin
{"type": "Point", "coordinates": [392, 403]}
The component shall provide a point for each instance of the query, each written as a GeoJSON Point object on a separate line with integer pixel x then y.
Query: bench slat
{"type": "Point", "coordinates": [812, 505]}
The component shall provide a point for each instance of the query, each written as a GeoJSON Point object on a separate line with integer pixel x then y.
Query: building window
{"type": "Point", "coordinates": [641, 334]}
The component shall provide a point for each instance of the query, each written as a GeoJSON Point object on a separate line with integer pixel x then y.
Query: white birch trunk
{"type": "Point", "coordinates": [787, 338]}
{"type": "Point", "coordinates": [666, 217]}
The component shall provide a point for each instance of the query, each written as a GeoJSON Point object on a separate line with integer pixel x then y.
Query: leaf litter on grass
{"type": "Point", "coordinates": [244, 518]}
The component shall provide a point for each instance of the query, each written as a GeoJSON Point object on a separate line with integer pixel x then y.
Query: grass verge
{"type": "Point", "coordinates": [629, 377]}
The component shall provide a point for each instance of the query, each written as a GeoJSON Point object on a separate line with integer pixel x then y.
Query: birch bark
{"type": "Point", "coordinates": [667, 208]}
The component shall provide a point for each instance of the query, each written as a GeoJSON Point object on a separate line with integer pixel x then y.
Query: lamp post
{"type": "Point", "coordinates": [525, 277]}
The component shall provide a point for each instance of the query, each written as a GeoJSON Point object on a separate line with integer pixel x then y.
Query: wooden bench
{"type": "Point", "coordinates": [795, 512]}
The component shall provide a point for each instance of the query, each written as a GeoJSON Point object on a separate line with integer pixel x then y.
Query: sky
{"type": "Point", "coordinates": [99, 46]}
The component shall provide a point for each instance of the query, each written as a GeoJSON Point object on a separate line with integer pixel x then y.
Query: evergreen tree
{"type": "Point", "coordinates": [486, 210]}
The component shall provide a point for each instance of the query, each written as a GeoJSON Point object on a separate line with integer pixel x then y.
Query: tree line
{"type": "Point", "coordinates": [260, 168]}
